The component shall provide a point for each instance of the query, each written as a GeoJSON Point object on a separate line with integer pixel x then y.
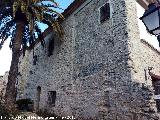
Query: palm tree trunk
{"type": "Point", "coordinates": [10, 95]}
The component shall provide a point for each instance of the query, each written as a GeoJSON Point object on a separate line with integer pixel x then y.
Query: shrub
{"type": "Point", "coordinates": [23, 104]}
{"type": "Point", "coordinates": [4, 113]}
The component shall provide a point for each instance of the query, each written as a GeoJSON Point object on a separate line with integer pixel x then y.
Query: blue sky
{"type": "Point", "coordinates": [5, 52]}
{"type": "Point", "coordinates": [62, 4]}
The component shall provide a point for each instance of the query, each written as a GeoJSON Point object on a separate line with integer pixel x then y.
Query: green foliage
{"type": "Point", "coordinates": [31, 12]}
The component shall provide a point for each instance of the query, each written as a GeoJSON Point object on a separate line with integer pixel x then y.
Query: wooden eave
{"type": "Point", "coordinates": [76, 4]}
{"type": "Point", "coordinates": [143, 3]}
{"type": "Point", "coordinates": [154, 76]}
{"type": "Point", "coordinates": [71, 8]}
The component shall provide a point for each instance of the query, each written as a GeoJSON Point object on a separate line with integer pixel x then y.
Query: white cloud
{"type": "Point", "coordinates": [5, 58]}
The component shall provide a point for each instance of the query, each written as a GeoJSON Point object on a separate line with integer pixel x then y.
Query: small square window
{"type": "Point", "coordinates": [52, 97]}
{"type": "Point", "coordinates": [105, 12]}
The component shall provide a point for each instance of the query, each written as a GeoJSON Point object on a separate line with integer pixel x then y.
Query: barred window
{"type": "Point", "coordinates": [105, 12]}
{"type": "Point", "coordinates": [51, 97]}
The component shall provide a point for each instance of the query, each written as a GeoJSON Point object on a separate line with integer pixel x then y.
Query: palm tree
{"type": "Point", "coordinates": [19, 23]}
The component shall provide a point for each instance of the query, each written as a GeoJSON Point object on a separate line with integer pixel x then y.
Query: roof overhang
{"type": "Point", "coordinates": [145, 3]}
{"type": "Point", "coordinates": [154, 76]}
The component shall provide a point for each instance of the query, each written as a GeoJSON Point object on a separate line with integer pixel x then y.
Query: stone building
{"type": "Point", "coordinates": [101, 69]}
{"type": "Point", "coordinates": [3, 83]}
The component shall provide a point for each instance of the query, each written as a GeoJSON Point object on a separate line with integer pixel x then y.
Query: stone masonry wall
{"type": "Point", "coordinates": [3, 83]}
{"type": "Point", "coordinates": [150, 58]}
{"type": "Point", "coordinates": [98, 69]}
{"type": "Point", "coordinates": [141, 55]}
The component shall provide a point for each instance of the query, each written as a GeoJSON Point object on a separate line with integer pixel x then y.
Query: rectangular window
{"type": "Point", "coordinates": [105, 12]}
{"type": "Point", "coordinates": [52, 97]}
{"type": "Point", "coordinates": [107, 99]}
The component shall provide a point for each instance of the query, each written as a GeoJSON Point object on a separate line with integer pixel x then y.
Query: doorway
{"type": "Point", "coordinates": [38, 96]}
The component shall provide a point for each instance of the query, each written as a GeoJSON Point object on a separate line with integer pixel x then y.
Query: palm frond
{"type": "Point", "coordinates": [46, 22]}
{"type": "Point", "coordinates": [5, 30]}
{"type": "Point", "coordinates": [58, 28]}
{"type": "Point", "coordinates": [39, 13]}
{"type": "Point", "coordinates": [30, 11]}
{"type": "Point", "coordinates": [46, 9]}
{"type": "Point", "coordinates": [16, 5]}
{"type": "Point", "coordinates": [51, 2]}
{"type": "Point", "coordinates": [49, 5]}
{"type": "Point", "coordinates": [40, 35]}
{"type": "Point", "coordinates": [5, 13]}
